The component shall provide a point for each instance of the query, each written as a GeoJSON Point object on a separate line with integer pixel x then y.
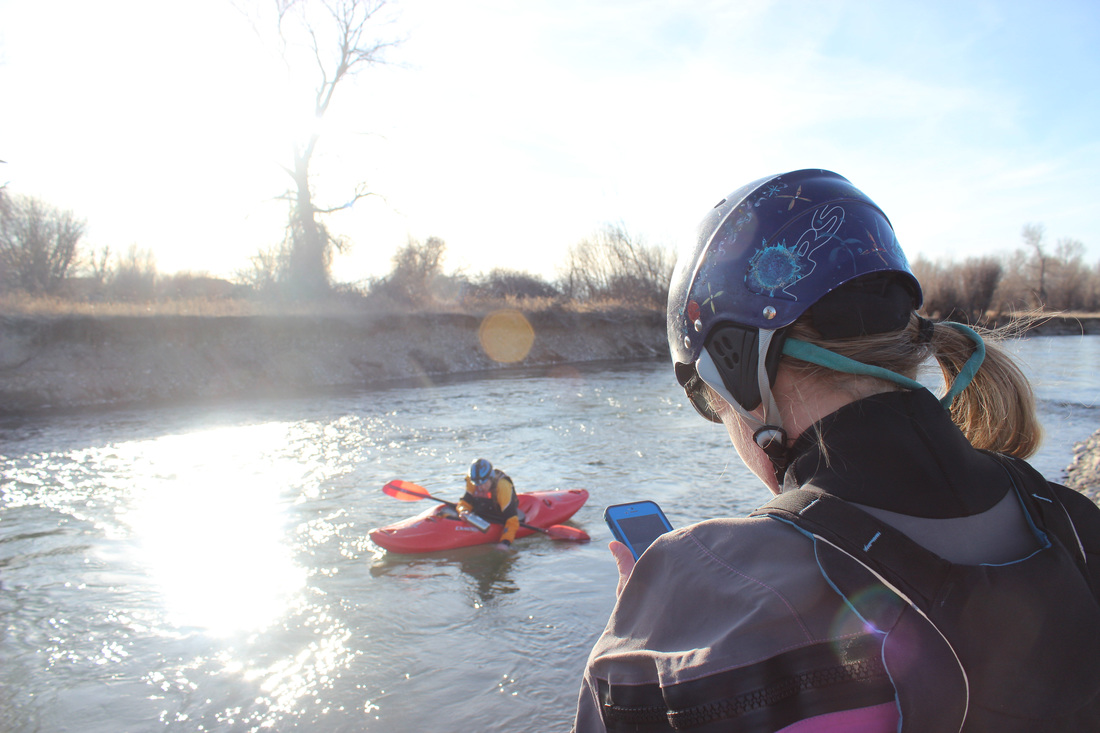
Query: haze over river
{"type": "Point", "coordinates": [207, 568]}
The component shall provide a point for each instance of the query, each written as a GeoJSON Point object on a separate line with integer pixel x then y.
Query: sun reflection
{"type": "Point", "coordinates": [211, 527]}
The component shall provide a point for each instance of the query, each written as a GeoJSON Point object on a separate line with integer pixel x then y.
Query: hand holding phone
{"type": "Point", "coordinates": [636, 524]}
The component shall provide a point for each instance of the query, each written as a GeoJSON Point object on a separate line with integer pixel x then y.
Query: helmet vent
{"type": "Point", "coordinates": [727, 349]}
{"type": "Point", "coordinates": [733, 349]}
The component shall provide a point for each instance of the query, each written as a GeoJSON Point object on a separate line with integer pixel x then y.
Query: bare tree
{"type": "Point", "coordinates": [939, 286]}
{"type": "Point", "coordinates": [978, 280]}
{"type": "Point", "coordinates": [616, 265]}
{"type": "Point", "coordinates": [1033, 238]}
{"type": "Point", "coordinates": [507, 283]}
{"type": "Point", "coordinates": [135, 275]}
{"type": "Point", "coordinates": [1014, 292]}
{"type": "Point", "coordinates": [264, 271]}
{"type": "Point", "coordinates": [416, 268]}
{"type": "Point", "coordinates": [38, 244]}
{"type": "Point", "coordinates": [3, 194]}
{"type": "Point", "coordinates": [1036, 277]}
{"type": "Point", "coordinates": [1067, 275]}
{"type": "Point", "coordinates": [1091, 296]}
{"type": "Point", "coordinates": [339, 42]}
{"type": "Point", "coordinates": [99, 265]}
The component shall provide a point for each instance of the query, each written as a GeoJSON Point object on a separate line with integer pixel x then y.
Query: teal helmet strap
{"type": "Point", "coordinates": [831, 360]}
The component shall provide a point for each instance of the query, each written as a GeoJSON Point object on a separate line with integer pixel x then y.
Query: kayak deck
{"type": "Point", "coordinates": [437, 529]}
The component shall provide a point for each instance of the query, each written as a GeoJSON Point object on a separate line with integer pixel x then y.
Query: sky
{"type": "Point", "coordinates": [514, 130]}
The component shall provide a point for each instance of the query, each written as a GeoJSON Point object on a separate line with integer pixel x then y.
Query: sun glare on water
{"type": "Point", "coordinates": [210, 527]}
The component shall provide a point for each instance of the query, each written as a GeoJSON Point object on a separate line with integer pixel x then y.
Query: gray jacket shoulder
{"type": "Point", "coordinates": [717, 595]}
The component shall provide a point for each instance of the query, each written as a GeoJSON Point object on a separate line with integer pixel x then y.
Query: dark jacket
{"type": "Point", "coordinates": [499, 504]}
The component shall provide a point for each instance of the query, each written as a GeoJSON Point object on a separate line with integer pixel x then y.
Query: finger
{"type": "Point", "coordinates": [624, 561]}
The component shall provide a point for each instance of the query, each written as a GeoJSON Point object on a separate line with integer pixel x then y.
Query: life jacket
{"type": "Point", "coordinates": [999, 648]}
{"type": "Point", "coordinates": [488, 506]}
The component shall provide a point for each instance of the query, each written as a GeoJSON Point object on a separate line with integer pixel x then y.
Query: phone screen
{"type": "Point", "coordinates": [637, 524]}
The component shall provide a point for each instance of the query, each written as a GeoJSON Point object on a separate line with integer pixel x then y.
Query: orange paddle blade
{"type": "Point", "coordinates": [405, 490]}
{"type": "Point", "coordinates": [565, 532]}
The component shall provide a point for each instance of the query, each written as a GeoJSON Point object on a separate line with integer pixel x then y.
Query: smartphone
{"type": "Point", "coordinates": [636, 524]}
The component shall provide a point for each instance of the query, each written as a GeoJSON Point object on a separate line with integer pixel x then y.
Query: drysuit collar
{"type": "Point", "coordinates": [897, 451]}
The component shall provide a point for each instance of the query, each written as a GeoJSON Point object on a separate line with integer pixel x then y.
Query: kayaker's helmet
{"type": "Point", "coordinates": [763, 256]}
{"type": "Point", "coordinates": [480, 471]}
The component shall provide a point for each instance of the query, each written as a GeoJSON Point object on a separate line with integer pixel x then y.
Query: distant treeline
{"type": "Point", "coordinates": [611, 266]}
{"type": "Point", "coordinates": [41, 256]}
{"type": "Point", "coordinates": [1035, 277]}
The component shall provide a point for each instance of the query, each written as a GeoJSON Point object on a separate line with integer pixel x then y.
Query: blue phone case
{"type": "Point", "coordinates": [636, 524]}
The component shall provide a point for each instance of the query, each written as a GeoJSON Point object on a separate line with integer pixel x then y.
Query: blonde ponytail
{"type": "Point", "coordinates": [997, 410]}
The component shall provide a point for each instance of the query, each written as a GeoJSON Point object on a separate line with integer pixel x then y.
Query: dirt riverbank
{"type": "Point", "coordinates": [73, 362]}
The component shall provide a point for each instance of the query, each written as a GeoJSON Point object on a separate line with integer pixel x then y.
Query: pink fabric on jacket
{"type": "Point", "coordinates": [875, 719]}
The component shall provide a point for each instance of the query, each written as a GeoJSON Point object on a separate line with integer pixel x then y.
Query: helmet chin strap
{"type": "Point", "coordinates": [771, 436]}
{"type": "Point", "coordinates": [768, 431]}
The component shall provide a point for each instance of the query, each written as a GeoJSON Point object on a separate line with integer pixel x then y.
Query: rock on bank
{"type": "Point", "coordinates": [69, 362]}
{"type": "Point", "coordinates": [1084, 473]}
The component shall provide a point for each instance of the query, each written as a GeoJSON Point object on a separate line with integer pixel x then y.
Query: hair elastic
{"type": "Point", "coordinates": [927, 329]}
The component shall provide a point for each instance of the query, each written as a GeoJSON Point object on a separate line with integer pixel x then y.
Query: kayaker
{"type": "Point", "coordinates": [491, 495]}
{"type": "Point", "coordinates": [913, 573]}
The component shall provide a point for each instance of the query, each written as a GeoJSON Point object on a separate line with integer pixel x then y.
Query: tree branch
{"type": "Point", "coordinates": [360, 193]}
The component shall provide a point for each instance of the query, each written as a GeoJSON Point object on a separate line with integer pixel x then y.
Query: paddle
{"type": "Point", "coordinates": [408, 491]}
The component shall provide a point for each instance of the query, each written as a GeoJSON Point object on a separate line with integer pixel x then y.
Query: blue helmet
{"type": "Point", "coordinates": [480, 470]}
{"type": "Point", "coordinates": [763, 256]}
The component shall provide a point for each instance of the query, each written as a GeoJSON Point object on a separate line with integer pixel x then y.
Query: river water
{"type": "Point", "coordinates": [206, 568]}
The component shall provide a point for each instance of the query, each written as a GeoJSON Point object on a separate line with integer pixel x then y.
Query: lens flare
{"type": "Point", "coordinates": [506, 336]}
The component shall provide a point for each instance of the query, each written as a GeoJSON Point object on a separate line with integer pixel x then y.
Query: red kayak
{"type": "Point", "coordinates": [437, 529]}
